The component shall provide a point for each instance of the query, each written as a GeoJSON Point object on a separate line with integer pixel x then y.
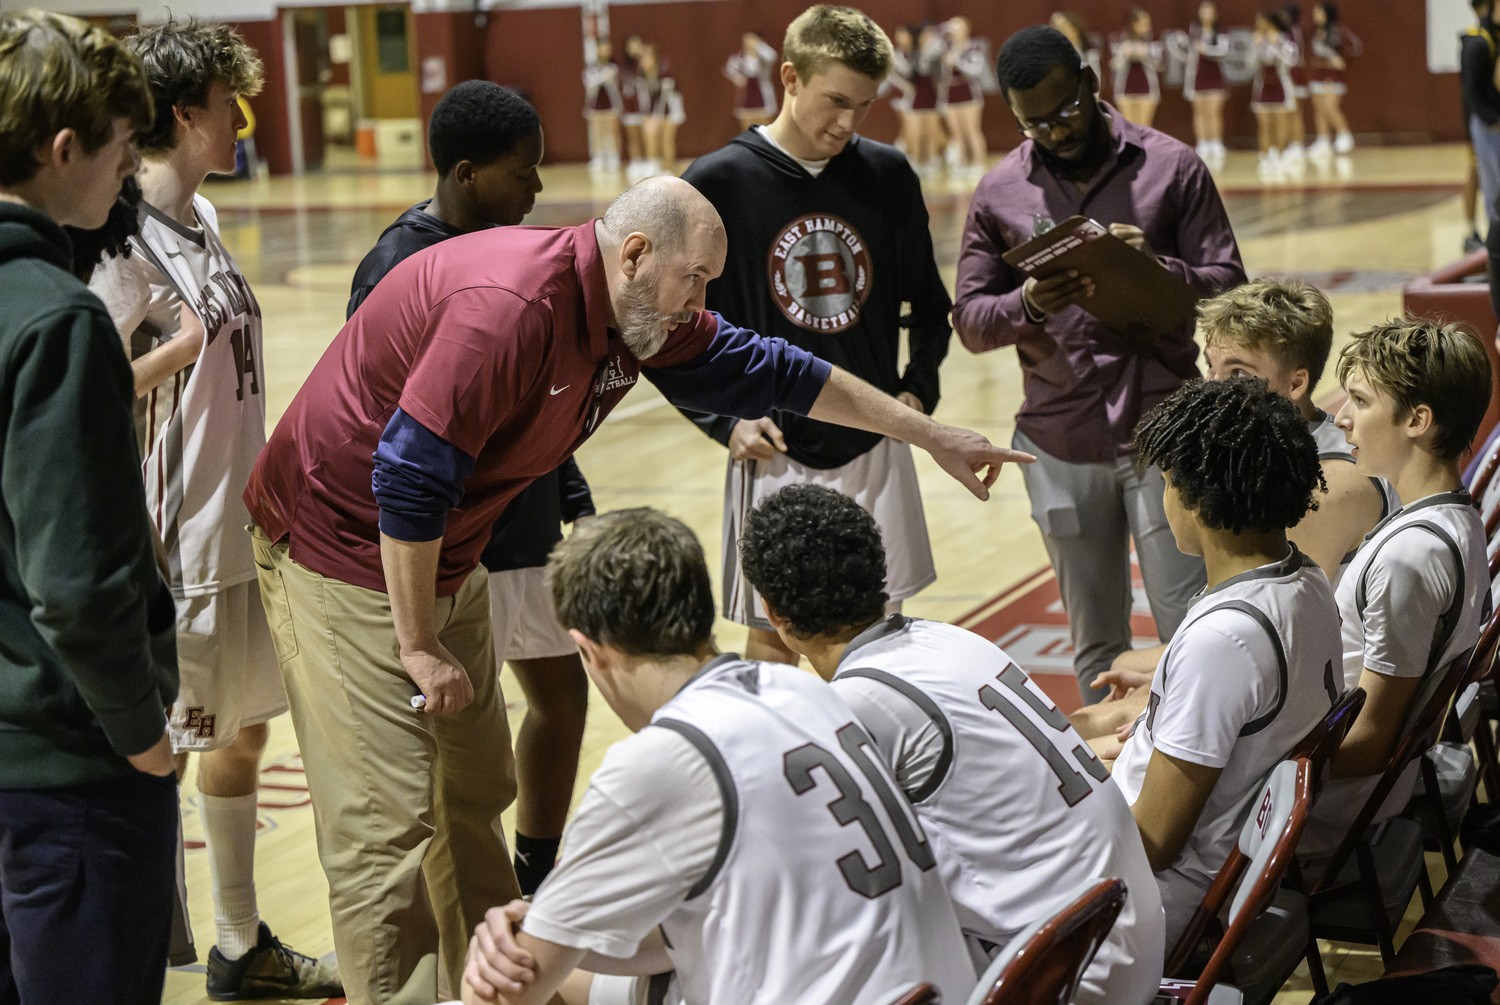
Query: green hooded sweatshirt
{"type": "Point", "coordinates": [88, 657]}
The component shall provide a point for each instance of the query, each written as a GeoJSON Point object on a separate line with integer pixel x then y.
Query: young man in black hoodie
{"type": "Point", "coordinates": [88, 798]}
{"type": "Point", "coordinates": [827, 238]}
{"type": "Point", "coordinates": [486, 143]}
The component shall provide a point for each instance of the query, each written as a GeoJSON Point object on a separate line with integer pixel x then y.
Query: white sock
{"type": "Point", "coordinates": [229, 831]}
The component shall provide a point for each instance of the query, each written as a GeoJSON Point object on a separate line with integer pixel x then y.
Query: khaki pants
{"type": "Point", "coordinates": [407, 805]}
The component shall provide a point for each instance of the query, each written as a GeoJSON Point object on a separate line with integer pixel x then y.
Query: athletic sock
{"type": "Point", "coordinates": [534, 860]}
{"type": "Point", "coordinates": [229, 831]}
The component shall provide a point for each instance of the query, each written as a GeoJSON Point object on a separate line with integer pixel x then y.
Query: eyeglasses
{"type": "Point", "coordinates": [1063, 118]}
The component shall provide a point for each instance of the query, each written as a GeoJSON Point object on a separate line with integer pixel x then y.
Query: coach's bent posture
{"type": "Point", "coordinates": [474, 367]}
{"type": "Point", "coordinates": [777, 863]}
{"type": "Point", "coordinates": [1086, 386]}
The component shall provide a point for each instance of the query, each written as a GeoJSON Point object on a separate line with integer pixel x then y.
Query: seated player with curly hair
{"type": "Point", "coordinates": [1252, 667]}
{"type": "Point", "coordinates": [1016, 806]}
{"type": "Point", "coordinates": [1417, 592]}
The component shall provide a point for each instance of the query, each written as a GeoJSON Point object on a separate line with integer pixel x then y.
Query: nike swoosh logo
{"type": "Point", "coordinates": [560, 390]}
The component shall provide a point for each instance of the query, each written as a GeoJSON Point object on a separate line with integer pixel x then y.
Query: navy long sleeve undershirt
{"type": "Point", "coordinates": [419, 477]}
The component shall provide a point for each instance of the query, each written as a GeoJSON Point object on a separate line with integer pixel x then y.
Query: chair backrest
{"type": "Point", "coordinates": [1267, 845]}
{"type": "Point", "coordinates": [913, 994]}
{"type": "Point", "coordinates": [1323, 740]}
{"type": "Point", "coordinates": [1257, 854]}
{"type": "Point", "coordinates": [1421, 730]}
{"type": "Point", "coordinates": [1485, 473]}
{"type": "Point", "coordinates": [1042, 964]}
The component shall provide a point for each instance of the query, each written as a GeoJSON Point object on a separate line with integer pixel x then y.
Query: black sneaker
{"type": "Point", "coordinates": [270, 970]}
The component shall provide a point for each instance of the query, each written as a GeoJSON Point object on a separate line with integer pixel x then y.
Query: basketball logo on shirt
{"type": "Point", "coordinates": [820, 272]}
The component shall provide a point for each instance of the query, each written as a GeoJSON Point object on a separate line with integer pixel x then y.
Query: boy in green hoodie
{"type": "Point", "coordinates": [88, 801]}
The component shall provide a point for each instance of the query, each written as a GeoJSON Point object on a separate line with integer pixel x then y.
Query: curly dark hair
{"type": "Point", "coordinates": [1237, 453]}
{"type": "Point", "coordinates": [112, 239]}
{"type": "Point", "coordinates": [478, 121]}
{"type": "Point", "coordinates": [816, 557]}
{"type": "Point", "coordinates": [182, 61]}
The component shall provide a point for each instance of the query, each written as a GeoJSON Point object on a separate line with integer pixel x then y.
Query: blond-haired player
{"type": "Point", "coordinates": [193, 330]}
{"type": "Point", "coordinates": [828, 245]}
{"type": "Point", "coordinates": [1418, 590]}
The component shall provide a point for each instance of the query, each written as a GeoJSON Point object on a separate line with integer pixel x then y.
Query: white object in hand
{"type": "Point", "coordinates": [419, 701]}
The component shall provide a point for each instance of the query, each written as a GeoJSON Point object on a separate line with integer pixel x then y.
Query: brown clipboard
{"type": "Point", "coordinates": [1134, 294]}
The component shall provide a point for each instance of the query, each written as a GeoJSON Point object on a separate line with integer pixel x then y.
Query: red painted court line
{"type": "Point", "coordinates": [1028, 622]}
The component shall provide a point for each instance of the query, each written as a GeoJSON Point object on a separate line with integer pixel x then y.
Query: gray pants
{"type": "Point", "coordinates": [1487, 156]}
{"type": "Point", "coordinates": [1087, 514]}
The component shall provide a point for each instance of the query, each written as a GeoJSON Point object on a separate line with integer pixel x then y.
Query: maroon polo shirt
{"type": "Point", "coordinates": [496, 341]}
{"type": "Point", "coordinates": [1085, 386]}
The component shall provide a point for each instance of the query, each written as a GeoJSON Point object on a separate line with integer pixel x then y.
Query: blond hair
{"type": "Point", "coordinates": [1289, 318]}
{"type": "Point", "coordinates": [56, 73]}
{"type": "Point", "coordinates": [825, 34]}
{"type": "Point", "coordinates": [182, 61]}
{"type": "Point", "coordinates": [1444, 367]}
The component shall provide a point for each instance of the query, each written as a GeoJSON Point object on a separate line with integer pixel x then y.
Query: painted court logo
{"type": "Point", "coordinates": [820, 273]}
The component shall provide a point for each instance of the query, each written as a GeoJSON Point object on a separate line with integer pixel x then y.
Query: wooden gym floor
{"type": "Point", "coordinates": [1357, 228]}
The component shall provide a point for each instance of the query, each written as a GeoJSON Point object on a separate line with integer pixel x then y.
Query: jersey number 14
{"type": "Point", "coordinates": [244, 362]}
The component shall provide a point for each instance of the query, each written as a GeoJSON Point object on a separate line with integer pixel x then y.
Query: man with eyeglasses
{"type": "Point", "coordinates": [1087, 386]}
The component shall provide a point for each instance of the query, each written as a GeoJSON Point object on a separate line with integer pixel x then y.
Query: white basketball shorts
{"type": "Point", "coordinates": [523, 618]}
{"type": "Point", "coordinates": [882, 480]}
{"type": "Point", "coordinates": [230, 674]}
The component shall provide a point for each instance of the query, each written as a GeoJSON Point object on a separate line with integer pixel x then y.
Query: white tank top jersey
{"type": "Point", "coordinates": [201, 429]}
{"type": "Point", "coordinates": [1332, 446]}
{"type": "Point", "coordinates": [1250, 671]}
{"type": "Point", "coordinates": [825, 890]}
{"type": "Point", "coordinates": [1015, 803]}
{"type": "Point", "coordinates": [1414, 599]}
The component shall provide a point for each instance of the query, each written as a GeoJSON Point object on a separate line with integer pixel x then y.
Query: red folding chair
{"type": "Point", "coordinates": [1253, 872]}
{"type": "Point", "coordinates": [1044, 962]}
{"type": "Point", "coordinates": [1323, 740]}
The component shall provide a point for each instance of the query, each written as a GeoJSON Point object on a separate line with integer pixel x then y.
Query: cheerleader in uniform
{"type": "Point", "coordinates": [1072, 24]}
{"type": "Point", "coordinates": [657, 86]}
{"type": "Point", "coordinates": [751, 69]}
{"type": "Point", "coordinates": [1295, 128]}
{"type": "Point", "coordinates": [927, 64]}
{"type": "Point", "coordinates": [966, 76]}
{"type": "Point", "coordinates": [1332, 46]}
{"type": "Point", "coordinates": [633, 111]}
{"type": "Point", "coordinates": [1136, 59]}
{"type": "Point", "coordinates": [602, 103]}
{"type": "Point", "coordinates": [901, 85]}
{"type": "Point", "coordinates": [1202, 48]}
{"type": "Point", "coordinates": [1271, 94]}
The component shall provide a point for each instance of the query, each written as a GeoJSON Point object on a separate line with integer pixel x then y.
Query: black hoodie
{"type": "Point", "coordinates": [826, 263]}
{"type": "Point", "coordinates": [87, 626]}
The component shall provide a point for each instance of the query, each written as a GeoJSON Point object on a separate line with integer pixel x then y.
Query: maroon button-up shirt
{"type": "Point", "coordinates": [1085, 386]}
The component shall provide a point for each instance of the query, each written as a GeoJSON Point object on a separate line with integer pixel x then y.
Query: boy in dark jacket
{"type": "Point", "coordinates": [88, 799]}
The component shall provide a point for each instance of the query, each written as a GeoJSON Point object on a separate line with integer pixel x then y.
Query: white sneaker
{"type": "Point", "coordinates": [1321, 149]}
{"type": "Point", "coordinates": [1205, 150]}
{"type": "Point", "coordinates": [1217, 151]}
{"type": "Point", "coordinates": [1269, 164]}
{"type": "Point", "coordinates": [1294, 153]}
{"type": "Point", "coordinates": [637, 170]}
{"type": "Point", "coordinates": [1343, 143]}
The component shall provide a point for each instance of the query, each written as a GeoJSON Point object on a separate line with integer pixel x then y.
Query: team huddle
{"type": "Point", "coordinates": [766, 834]}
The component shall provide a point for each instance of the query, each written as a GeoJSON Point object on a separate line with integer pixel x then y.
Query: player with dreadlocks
{"type": "Point", "coordinates": [1252, 667]}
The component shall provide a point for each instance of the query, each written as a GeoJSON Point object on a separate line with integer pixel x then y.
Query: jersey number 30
{"type": "Point", "coordinates": [1072, 786]}
{"type": "Point", "coordinates": [851, 807]}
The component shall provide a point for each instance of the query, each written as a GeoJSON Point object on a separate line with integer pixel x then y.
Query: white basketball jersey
{"type": "Point", "coordinates": [1018, 807]}
{"type": "Point", "coordinates": [1283, 619]}
{"type": "Point", "coordinates": [201, 429]}
{"type": "Point", "coordinates": [1442, 526]}
{"type": "Point", "coordinates": [825, 889]}
{"type": "Point", "coordinates": [1332, 446]}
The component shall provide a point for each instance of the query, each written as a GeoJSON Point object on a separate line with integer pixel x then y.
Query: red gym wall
{"type": "Point", "coordinates": [539, 51]}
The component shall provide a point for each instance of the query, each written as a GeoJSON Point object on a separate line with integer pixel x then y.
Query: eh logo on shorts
{"type": "Point", "coordinates": [199, 723]}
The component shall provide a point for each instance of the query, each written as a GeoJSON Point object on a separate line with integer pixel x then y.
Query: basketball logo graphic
{"type": "Point", "coordinates": [820, 272]}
